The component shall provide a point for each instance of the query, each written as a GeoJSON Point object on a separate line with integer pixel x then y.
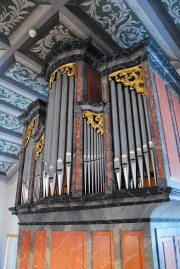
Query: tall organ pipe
{"type": "Point", "coordinates": [130, 130]}
{"type": "Point", "coordinates": [62, 133]}
{"type": "Point", "coordinates": [55, 132]}
{"type": "Point", "coordinates": [137, 135]}
{"type": "Point", "coordinates": [48, 142]}
{"type": "Point", "coordinates": [117, 160]}
{"type": "Point", "coordinates": [92, 159]}
{"type": "Point", "coordinates": [69, 132]}
{"type": "Point", "coordinates": [123, 133]}
{"type": "Point", "coordinates": [85, 155]}
{"type": "Point", "coordinates": [144, 135]}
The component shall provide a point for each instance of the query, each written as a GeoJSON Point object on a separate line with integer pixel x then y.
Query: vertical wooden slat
{"type": "Point", "coordinates": [132, 250]}
{"type": "Point", "coordinates": [39, 253]}
{"type": "Point", "coordinates": [25, 249]}
{"type": "Point", "coordinates": [103, 250]}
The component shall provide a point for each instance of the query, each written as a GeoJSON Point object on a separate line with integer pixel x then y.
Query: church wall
{"type": "Point", "coordinates": [8, 222]}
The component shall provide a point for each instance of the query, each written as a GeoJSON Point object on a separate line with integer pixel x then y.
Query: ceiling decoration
{"type": "Point", "coordinates": [57, 34]}
{"type": "Point", "coordinates": [4, 166]}
{"type": "Point", "coordinates": [27, 77]}
{"type": "Point", "coordinates": [11, 123]}
{"type": "Point", "coordinates": [173, 8]}
{"type": "Point", "coordinates": [13, 13]}
{"type": "Point", "coordinates": [117, 20]}
{"type": "Point", "coordinates": [9, 147]}
{"type": "Point", "coordinates": [112, 25]}
{"type": "Point", "coordinates": [14, 98]}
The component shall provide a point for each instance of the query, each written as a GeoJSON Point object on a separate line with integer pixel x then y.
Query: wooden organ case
{"type": "Point", "coordinates": [91, 149]}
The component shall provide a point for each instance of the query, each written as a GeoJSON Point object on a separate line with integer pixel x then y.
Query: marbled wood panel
{"type": "Point", "coordinates": [176, 109]}
{"type": "Point", "coordinates": [168, 130]}
{"type": "Point", "coordinates": [103, 250]}
{"type": "Point", "coordinates": [132, 250]}
{"type": "Point", "coordinates": [105, 96]}
{"type": "Point", "coordinates": [154, 123]}
{"type": "Point", "coordinates": [115, 229]}
{"type": "Point", "coordinates": [25, 249]}
{"type": "Point", "coordinates": [39, 253]}
{"type": "Point", "coordinates": [169, 255]}
{"type": "Point", "coordinates": [79, 83]}
{"type": "Point", "coordinates": [94, 92]}
{"type": "Point", "coordinates": [68, 250]}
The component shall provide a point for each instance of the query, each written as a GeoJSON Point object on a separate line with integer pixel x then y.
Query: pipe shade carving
{"type": "Point", "coordinates": [131, 77]}
{"type": "Point", "coordinates": [29, 131]}
{"type": "Point", "coordinates": [68, 69]}
{"type": "Point", "coordinates": [39, 147]}
{"type": "Point", "coordinates": [95, 120]}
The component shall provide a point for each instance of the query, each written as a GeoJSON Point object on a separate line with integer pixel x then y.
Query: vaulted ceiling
{"type": "Point", "coordinates": [112, 24]}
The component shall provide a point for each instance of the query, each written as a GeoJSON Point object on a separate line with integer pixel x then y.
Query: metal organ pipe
{"type": "Point", "coordinates": [55, 132]}
{"type": "Point", "coordinates": [130, 130]}
{"type": "Point", "coordinates": [69, 133]}
{"type": "Point", "coordinates": [117, 160]}
{"type": "Point", "coordinates": [62, 133]}
{"type": "Point", "coordinates": [123, 133]}
{"type": "Point", "coordinates": [137, 136]}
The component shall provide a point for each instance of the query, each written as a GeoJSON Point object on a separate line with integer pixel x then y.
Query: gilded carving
{"type": "Point", "coordinates": [29, 131]}
{"type": "Point", "coordinates": [66, 69]}
{"type": "Point", "coordinates": [39, 147]}
{"type": "Point", "coordinates": [131, 77]}
{"type": "Point", "coordinates": [95, 120]}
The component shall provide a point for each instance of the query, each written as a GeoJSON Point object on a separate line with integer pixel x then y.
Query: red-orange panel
{"type": "Point", "coordinates": [68, 250]}
{"type": "Point", "coordinates": [25, 249]}
{"type": "Point", "coordinates": [39, 253]}
{"type": "Point", "coordinates": [176, 108]}
{"type": "Point", "coordinates": [170, 141]}
{"type": "Point", "coordinates": [132, 250]}
{"type": "Point", "coordinates": [169, 253]}
{"type": "Point", "coordinates": [103, 250]}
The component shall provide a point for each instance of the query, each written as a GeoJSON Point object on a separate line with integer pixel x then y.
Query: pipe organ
{"type": "Point", "coordinates": [74, 155]}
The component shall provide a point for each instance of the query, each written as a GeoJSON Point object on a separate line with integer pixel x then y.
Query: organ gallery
{"type": "Point", "coordinates": [92, 168]}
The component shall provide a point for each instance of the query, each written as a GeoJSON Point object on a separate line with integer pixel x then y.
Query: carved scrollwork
{"type": "Point", "coordinates": [39, 147]}
{"type": "Point", "coordinates": [29, 131]}
{"type": "Point", "coordinates": [66, 69]}
{"type": "Point", "coordinates": [131, 77]}
{"type": "Point", "coordinates": [95, 120]}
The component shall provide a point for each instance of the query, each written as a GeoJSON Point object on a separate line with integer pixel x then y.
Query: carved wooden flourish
{"type": "Point", "coordinates": [131, 77]}
{"type": "Point", "coordinates": [66, 69]}
{"type": "Point", "coordinates": [95, 120]}
{"type": "Point", "coordinates": [39, 147]}
{"type": "Point", "coordinates": [29, 131]}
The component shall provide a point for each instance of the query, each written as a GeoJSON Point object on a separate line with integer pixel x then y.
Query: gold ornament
{"type": "Point", "coordinates": [39, 147]}
{"type": "Point", "coordinates": [29, 131]}
{"type": "Point", "coordinates": [66, 69]}
{"type": "Point", "coordinates": [131, 77]}
{"type": "Point", "coordinates": [95, 120]}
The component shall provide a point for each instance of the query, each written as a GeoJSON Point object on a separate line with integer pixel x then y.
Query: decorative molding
{"type": "Point", "coordinates": [131, 77]}
{"type": "Point", "coordinates": [66, 69]}
{"type": "Point", "coordinates": [39, 147]}
{"type": "Point", "coordinates": [95, 120]}
{"type": "Point", "coordinates": [29, 131]}
{"type": "Point", "coordinates": [58, 34]}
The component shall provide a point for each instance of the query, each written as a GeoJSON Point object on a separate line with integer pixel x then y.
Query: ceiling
{"type": "Point", "coordinates": [112, 25]}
